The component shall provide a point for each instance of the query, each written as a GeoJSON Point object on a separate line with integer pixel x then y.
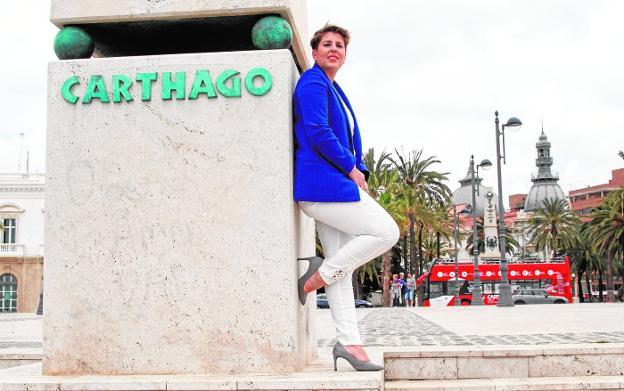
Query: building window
{"type": "Point", "coordinates": [8, 293]}
{"type": "Point", "coordinates": [8, 234]}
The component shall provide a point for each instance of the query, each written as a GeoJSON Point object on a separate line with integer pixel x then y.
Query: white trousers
{"type": "Point", "coordinates": [352, 234]}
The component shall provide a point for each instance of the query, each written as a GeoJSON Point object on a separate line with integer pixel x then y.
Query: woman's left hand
{"type": "Point", "coordinates": [359, 178]}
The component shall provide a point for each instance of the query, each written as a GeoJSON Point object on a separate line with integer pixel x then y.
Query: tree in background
{"type": "Point", "coordinates": [553, 226]}
{"type": "Point", "coordinates": [383, 184]}
{"type": "Point", "coordinates": [422, 189]}
{"type": "Point", "coordinates": [583, 259]}
{"type": "Point", "coordinates": [606, 232]}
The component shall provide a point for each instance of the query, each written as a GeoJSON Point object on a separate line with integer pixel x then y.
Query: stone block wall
{"type": "Point", "coordinates": [184, 232]}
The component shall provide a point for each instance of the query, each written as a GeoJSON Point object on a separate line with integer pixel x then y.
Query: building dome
{"type": "Point", "coordinates": [545, 184]}
{"type": "Point", "coordinates": [463, 195]}
{"type": "Point", "coordinates": [540, 192]}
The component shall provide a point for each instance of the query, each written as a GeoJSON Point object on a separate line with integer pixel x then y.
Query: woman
{"type": "Point", "coordinates": [331, 188]}
{"type": "Point", "coordinates": [411, 288]}
{"type": "Point", "coordinates": [395, 288]}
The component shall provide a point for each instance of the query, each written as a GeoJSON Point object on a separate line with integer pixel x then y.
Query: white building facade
{"type": "Point", "coordinates": [21, 241]}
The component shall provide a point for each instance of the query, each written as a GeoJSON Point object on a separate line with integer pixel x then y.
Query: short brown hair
{"type": "Point", "coordinates": [329, 28]}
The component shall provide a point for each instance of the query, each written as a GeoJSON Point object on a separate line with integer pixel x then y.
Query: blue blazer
{"type": "Point", "coordinates": [326, 149]}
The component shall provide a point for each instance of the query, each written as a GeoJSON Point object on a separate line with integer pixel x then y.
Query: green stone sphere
{"type": "Point", "coordinates": [71, 43]}
{"type": "Point", "coordinates": [271, 32]}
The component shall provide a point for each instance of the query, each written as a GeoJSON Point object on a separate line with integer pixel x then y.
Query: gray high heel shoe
{"type": "Point", "coordinates": [315, 263]}
{"type": "Point", "coordinates": [358, 365]}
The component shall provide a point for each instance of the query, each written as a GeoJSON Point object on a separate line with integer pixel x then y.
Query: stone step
{"type": "Point", "coordinates": [16, 357]}
{"type": "Point", "coordinates": [318, 376]}
{"type": "Point", "coordinates": [519, 361]}
{"type": "Point", "coordinates": [511, 384]}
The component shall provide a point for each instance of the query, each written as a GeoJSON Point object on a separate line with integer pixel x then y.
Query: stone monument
{"type": "Point", "coordinates": [490, 229]}
{"type": "Point", "coordinates": [171, 231]}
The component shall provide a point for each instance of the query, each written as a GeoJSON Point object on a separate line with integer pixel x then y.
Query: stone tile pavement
{"type": "Point", "coordinates": [520, 325]}
{"type": "Point", "coordinates": [20, 332]}
{"type": "Point", "coordinates": [448, 326]}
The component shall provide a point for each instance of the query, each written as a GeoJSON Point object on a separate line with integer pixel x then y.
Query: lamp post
{"type": "Point", "coordinates": [477, 296]}
{"type": "Point", "coordinates": [466, 210]}
{"type": "Point", "coordinates": [504, 289]}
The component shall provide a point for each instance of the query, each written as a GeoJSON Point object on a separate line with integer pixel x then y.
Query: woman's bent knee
{"type": "Point", "coordinates": [391, 234]}
{"type": "Point", "coordinates": [395, 235]}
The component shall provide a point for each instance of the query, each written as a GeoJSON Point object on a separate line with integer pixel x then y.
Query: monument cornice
{"type": "Point", "coordinates": [81, 12]}
{"type": "Point", "coordinates": [21, 188]}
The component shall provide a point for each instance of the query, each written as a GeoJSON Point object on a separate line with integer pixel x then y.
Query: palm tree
{"type": "Point", "coordinates": [583, 259]}
{"type": "Point", "coordinates": [607, 232]}
{"type": "Point", "coordinates": [430, 247]}
{"type": "Point", "coordinates": [601, 271]}
{"type": "Point", "coordinates": [394, 206]}
{"type": "Point", "coordinates": [383, 184]}
{"type": "Point", "coordinates": [422, 188]}
{"type": "Point", "coordinates": [426, 219]}
{"type": "Point", "coordinates": [370, 270]}
{"type": "Point", "coordinates": [375, 166]}
{"type": "Point", "coordinates": [444, 227]}
{"type": "Point", "coordinates": [553, 226]}
{"type": "Point", "coordinates": [378, 169]}
{"type": "Point", "coordinates": [511, 244]}
{"type": "Point", "coordinates": [579, 266]}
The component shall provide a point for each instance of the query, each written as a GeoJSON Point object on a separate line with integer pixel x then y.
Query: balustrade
{"type": "Point", "coordinates": [11, 249]}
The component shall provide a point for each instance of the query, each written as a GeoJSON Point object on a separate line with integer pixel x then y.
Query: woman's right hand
{"type": "Point", "coordinates": [359, 178]}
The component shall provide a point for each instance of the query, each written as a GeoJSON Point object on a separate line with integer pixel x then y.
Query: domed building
{"type": "Point", "coordinates": [545, 184]}
{"type": "Point", "coordinates": [463, 195]}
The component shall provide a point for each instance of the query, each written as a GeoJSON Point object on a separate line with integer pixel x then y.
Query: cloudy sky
{"type": "Point", "coordinates": [421, 75]}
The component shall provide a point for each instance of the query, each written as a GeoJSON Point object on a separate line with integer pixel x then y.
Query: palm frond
{"type": "Point", "coordinates": [553, 227]}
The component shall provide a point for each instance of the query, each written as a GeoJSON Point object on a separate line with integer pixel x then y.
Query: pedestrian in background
{"type": "Point", "coordinates": [411, 289]}
{"type": "Point", "coordinates": [403, 288]}
{"type": "Point", "coordinates": [395, 290]}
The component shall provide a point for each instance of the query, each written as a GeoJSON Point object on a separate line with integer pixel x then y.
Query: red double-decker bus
{"type": "Point", "coordinates": [439, 281]}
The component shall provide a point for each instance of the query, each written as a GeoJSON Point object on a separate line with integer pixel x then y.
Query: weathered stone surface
{"type": "Point", "coordinates": [597, 383]}
{"type": "Point", "coordinates": [577, 365]}
{"type": "Point", "coordinates": [505, 361]}
{"type": "Point", "coordinates": [484, 368]}
{"type": "Point", "coordinates": [317, 379]}
{"type": "Point", "coordinates": [420, 368]}
{"type": "Point", "coordinates": [171, 232]}
{"type": "Point", "coordinates": [76, 12]}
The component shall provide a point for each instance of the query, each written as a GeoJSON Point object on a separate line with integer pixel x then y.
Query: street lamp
{"type": "Point", "coordinates": [466, 210]}
{"type": "Point", "coordinates": [477, 298]}
{"type": "Point", "coordinates": [504, 289]}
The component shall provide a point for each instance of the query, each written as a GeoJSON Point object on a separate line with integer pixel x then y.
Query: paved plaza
{"type": "Point", "coordinates": [383, 330]}
{"type": "Point", "coordinates": [20, 331]}
{"type": "Point", "coordinates": [487, 325]}
{"type": "Point", "coordinates": [393, 327]}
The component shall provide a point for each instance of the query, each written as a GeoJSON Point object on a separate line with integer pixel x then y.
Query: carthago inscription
{"type": "Point", "coordinates": [173, 85]}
